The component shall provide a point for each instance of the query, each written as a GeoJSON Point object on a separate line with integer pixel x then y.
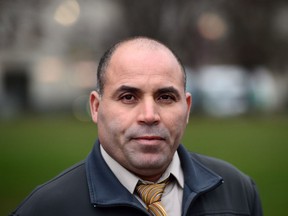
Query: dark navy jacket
{"type": "Point", "coordinates": [212, 187]}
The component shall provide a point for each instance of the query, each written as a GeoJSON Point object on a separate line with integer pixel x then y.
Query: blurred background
{"type": "Point", "coordinates": [235, 54]}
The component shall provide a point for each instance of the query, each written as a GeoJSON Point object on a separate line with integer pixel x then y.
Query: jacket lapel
{"type": "Point", "coordinates": [198, 179]}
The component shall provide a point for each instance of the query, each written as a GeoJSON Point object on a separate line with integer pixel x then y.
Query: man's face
{"type": "Point", "coordinates": [143, 111]}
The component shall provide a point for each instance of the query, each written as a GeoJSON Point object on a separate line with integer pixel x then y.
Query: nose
{"type": "Point", "coordinates": [148, 113]}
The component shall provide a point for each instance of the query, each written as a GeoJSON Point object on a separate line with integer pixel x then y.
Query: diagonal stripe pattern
{"type": "Point", "coordinates": [151, 195]}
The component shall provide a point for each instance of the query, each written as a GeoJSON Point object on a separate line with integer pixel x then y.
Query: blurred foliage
{"type": "Point", "coordinates": [250, 39]}
{"type": "Point", "coordinates": [253, 32]}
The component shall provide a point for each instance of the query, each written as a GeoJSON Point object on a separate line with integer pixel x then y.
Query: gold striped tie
{"type": "Point", "coordinates": [151, 195]}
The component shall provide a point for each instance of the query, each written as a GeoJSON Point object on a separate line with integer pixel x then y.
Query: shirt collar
{"type": "Point", "coordinates": [129, 180]}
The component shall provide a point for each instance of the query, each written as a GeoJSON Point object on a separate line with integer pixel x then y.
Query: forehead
{"type": "Point", "coordinates": [142, 63]}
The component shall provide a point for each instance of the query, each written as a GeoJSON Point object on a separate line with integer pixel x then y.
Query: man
{"type": "Point", "coordinates": [141, 109]}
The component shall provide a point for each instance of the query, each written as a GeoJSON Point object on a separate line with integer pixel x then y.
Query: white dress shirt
{"type": "Point", "coordinates": [172, 196]}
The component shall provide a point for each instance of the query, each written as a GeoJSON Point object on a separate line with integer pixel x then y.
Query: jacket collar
{"type": "Point", "coordinates": [198, 178]}
{"type": "Point", "coordinates": [105, 189]}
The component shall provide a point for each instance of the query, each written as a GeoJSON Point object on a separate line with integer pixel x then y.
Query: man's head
{"type": "Point", "coordinates": [141, 107]}
{"type": "Point", "coordinates": [104, 61]}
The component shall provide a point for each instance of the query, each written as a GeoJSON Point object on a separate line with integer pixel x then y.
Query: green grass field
{"type": "Point", "coordinates": [32, 150]}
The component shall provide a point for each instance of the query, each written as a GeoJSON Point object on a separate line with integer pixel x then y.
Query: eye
{"type": "Point", "coordinates": [167, 98]}
{"type": "Point", "coordinates": [128, 98]}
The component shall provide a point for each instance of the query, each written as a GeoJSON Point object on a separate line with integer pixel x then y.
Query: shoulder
{"type": "Point", "coordinates": [64, 189]}
{"type": "Point", "coordinates": [223, 168]}
{"type": "Point", "coordinates": [68, 178]}
{"type": "Point", "coordinates": [238, 190]}
{"type": "Point", "coordinates": [234, 179]}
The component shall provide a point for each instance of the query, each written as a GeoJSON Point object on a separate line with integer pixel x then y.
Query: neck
{"type": "Point", "coordinates": [152, 178]}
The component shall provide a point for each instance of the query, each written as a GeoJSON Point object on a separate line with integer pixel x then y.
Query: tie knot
{"type": "Point", "coordinates": [151, 193]}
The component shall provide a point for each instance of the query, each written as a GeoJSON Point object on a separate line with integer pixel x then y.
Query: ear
{"type": "Point", "coordinates": [189, 104]}
{"type": "Point", "coordinates": [94, 105]}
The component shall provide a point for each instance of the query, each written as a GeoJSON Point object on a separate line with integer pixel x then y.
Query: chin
{"type": "Point", "coordinates": [151, 162]}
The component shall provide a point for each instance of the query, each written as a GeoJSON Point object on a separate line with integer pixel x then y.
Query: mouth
{"type": "Point", "coordinates": [149, 140]}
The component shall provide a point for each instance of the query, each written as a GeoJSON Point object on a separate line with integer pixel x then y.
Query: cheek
{"type": "Point", "coordinates": [176, 117]}
{"type": "Point", "coordinates": [176, 123]}
{"type": "Point", "coordinates": [111, 124]}
{"type": "Point", "coordinates": [106, 124]}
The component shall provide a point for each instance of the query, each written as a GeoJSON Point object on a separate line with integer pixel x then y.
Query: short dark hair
{"type": "Point", "coordinates": [105, 60]}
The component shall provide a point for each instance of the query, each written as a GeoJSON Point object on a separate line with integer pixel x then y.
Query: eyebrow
{"type": "Point", "coordinates": [169, 89]}
{"type": "Point", "coordinates": [125, 88]}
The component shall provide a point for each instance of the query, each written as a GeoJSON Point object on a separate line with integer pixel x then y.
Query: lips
{"type": "Point", "coordinates": [147, 134]}
{"type": "Point", "coordinates": [149, 140]}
